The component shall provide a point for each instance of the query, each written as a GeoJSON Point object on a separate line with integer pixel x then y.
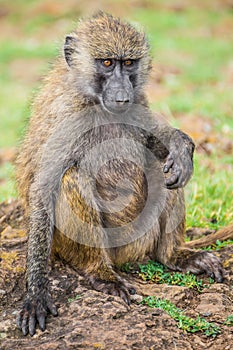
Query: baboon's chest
{"type": "Point", "coordinates": [121, 187]}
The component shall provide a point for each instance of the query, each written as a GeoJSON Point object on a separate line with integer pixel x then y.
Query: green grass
{"type": "Point", "coordinates": [8, 185]}
{"type": "Point", "coordinates": [12, 114]}
{"type": "Point", "coordinates": [158, 273]}
{"type": "Point", "coordinates": [25, 49]}
{"type": "Point", "coordinates": [77, 297]}
{"type": "Point", "coordinates": [187, 324]}
{"type": "Point", "coordinates": [219, 245]}
{"type": "Point", "coordinates": [209, 199]}
{"type": "Point", "coordinates": [229, 321]}
{"type": "Point", "coordinates": [185, 40]}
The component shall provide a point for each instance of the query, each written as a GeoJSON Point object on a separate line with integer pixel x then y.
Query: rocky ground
{"type": "Point", "coordinates": [91, 320]}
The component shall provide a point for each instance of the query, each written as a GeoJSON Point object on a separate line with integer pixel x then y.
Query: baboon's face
{"type": "Point", "coordinates": [108, 62]}
{"type": "Point", "coordinates": [115, 81]}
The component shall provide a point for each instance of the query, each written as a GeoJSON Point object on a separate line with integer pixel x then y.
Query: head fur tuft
{"type": "Point", "coordinates": [106, 36]}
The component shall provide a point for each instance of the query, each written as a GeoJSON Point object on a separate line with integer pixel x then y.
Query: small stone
{"type": "Point", "coordinates": [150, 324]}
{"type": "Point", "coordinates": [3, 335]}
{"type": "Point", "coordinates": [197, 341]}
{"type": "Point", "coordinates": [80, 290]}
{"type": "Point", "coordinates": [136, 298]}
{"type": "Point", "coordinates": [207, 314]}
{"type": "Point", "coordinates": [157, 312]}
{"type": "Point", "coordinates": [5, 326]}
{"type": "Point", "coordinates": [55, 282]}
{"type": "Point", "coordinates": [118, 314]}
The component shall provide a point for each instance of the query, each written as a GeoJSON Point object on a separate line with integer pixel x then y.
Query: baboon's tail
{"type": "Point", "coordinates": [221, 235]}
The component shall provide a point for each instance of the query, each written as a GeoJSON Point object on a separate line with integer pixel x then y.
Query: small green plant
{"type": "Point", "coordinates": [70, 300]}
{"type": "Point", "coordinates": [156, 272]}
{"type": "Point", "coordinates": [229, 321]}
{"type": "Point", "coordinates": [127, 267]}
{"type": "Point", "coordinates": [219, 245]}
{"type": "Point", "coordinates": [187, 324]}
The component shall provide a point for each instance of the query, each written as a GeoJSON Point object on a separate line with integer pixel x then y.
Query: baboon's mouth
{"type": "Point", "coordinates": [117, 107]}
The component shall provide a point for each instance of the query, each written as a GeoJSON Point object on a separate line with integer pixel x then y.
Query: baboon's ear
{"type": "Point", "coordinates": [70, 47]}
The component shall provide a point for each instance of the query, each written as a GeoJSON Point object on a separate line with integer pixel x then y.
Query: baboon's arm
{"type": "Point", "coordinates": [38, 301]}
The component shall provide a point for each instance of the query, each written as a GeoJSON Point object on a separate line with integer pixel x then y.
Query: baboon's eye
{"type": "Point", "coordinates": [107, 63]}
{"type": "Point", "coordinates": [128, 62]}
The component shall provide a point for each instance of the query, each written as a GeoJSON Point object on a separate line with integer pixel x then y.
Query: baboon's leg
{"type": "Point", "coordinates": [80, 237]}
{"type": "Point", "coordinates": [171, 249]}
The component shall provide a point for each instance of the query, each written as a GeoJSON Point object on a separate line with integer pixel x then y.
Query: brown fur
{"type": "Point", "coordinates": [65, 93]}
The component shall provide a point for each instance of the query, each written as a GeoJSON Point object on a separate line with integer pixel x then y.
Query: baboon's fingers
{"type": "Point", "coordinates": [168, 164]}
{"type": "Point", "coordinates": [121, 291]}
{"type": "Point", "coordinates": [218, 276]}
{"type": "Point", "coordinates": [125, 296]}
{"type": "Point", "coordinates": [179, 177]}
{"type": "Point", "coordinates": [212, 266]}
{"type": "Point", "coordinates": [41, 314]}
{"type": "Point", "coordinates": [24, 325]}
{"type": "Point", "coordinates": [41, 321]}
{"type": "Point", "coordinates": [216, 270]}
{"type": "Point", "coordinates": [116, 288]}
{"type": "Point", "coordinates": [173, 181]}
{"type": "Point", "coordinates": [51, 307]}
{"type": "Point", "coordinates": [35, 311]}
{"type": "Point", "coordinates": [53, 310]}
{"type": "Point", "coordinates": [32, 324]}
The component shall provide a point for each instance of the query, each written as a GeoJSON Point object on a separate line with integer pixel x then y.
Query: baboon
{"type": "Point", "coordinates": [92, 143]}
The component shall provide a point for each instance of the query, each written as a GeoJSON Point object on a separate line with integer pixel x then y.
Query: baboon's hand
{"type": "Point", "coordinates": [35, 310]}
{"type": "Point", "coordinates": [179, 160]}
{"type": "Point", "coordinates": [180, 163]}
{"type": "Point", "coordinates": [181, 170]}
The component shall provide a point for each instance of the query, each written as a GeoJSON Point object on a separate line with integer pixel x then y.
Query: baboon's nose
{"type": "Point", "coordinates": [122, 97]}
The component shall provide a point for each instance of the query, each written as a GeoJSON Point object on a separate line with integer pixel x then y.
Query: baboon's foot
{"type": "Point", "coordinates": [117, 287]}
{"type": "Point", "coordinates": [199, 262]}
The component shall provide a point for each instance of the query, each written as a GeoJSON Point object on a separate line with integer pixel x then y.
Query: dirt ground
{"type": "Point", "coordinates": [91, 320]}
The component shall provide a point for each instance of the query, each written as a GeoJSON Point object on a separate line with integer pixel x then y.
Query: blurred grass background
{"type": "Point", "coordinates": [191, 82]}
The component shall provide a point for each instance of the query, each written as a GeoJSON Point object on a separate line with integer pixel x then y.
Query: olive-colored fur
{"type": "Point", "coordinates": [66, 92]}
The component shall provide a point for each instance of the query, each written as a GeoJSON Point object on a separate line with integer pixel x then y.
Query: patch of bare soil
{"type": "Point", "coordinates": [92, 320]}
